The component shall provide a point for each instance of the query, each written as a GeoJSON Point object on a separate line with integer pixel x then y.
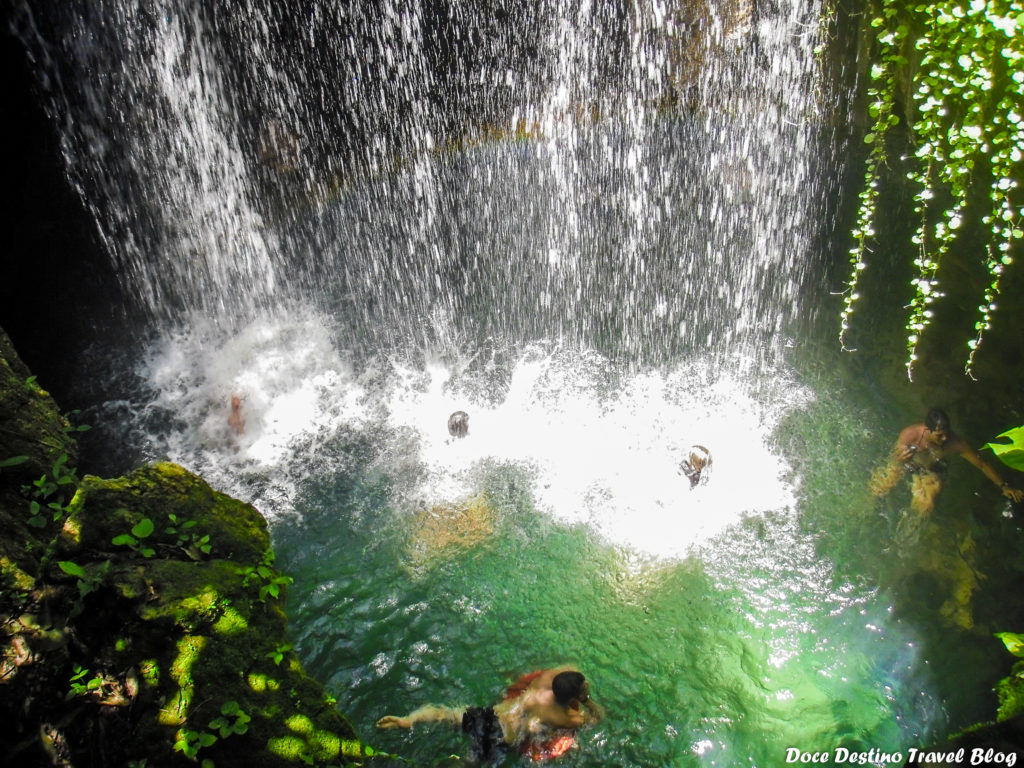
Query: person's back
{"type": "Point", "coordinates": [552, 701]}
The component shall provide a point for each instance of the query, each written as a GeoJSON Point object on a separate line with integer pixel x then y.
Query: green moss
{"type": "Point", "coordinates": [105, 509]}
{"type": "Point", "coordinates": [1010, 691]}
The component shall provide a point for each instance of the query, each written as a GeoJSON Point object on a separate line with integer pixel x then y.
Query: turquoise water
{"type": "Point", "coordinates": [725, 659]}
{"type": "Point", "coordinates": [771, 608]}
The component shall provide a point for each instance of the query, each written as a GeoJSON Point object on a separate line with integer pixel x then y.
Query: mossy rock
{"type": "Point", "coordinates": [182, 632]}
{"type": "Point", "coordinates": [199, 642]}
{"type": "Point", "coordinates": [103, 510]}
{"type": "Point", "coordinates": [33, 438]}
{"type": "Point", "coordinates": [30, 423]}
{"type": "Point", "coordinates": [166, 648]}
{"type": "Point", "coordinates": [1010, 691]}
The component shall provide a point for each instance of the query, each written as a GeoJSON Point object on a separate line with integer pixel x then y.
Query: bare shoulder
{"type": "Point", "coordinates": [910, 435]}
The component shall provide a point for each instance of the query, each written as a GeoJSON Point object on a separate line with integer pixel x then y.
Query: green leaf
{"type": "Point", "coordinates": [1014, 643]}
{"type": "Point", "coordinates": [72, 569]}
{"type": "Point", "coordinates": [124, 540]}
{"type": "Point", "coordinates": [143, 529]}
{"type": "Point", "coordinates": [1012, 454]}
{"type": "Point", "coordinates": [13, 461]}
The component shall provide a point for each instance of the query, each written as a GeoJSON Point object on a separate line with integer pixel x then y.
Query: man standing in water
{"type": "Point", "coordinates": [921, 452]}
{"type": "Point", "coordinates": [539, 715]}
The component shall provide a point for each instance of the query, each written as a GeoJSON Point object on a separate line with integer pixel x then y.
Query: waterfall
{"type": "Point", "coordinates": [641, 178]}
{"type": "Point", "coordinates": [593, 226]}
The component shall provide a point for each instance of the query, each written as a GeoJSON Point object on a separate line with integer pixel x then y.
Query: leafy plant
{"type": "Point", "coordinates": [50, 489]}
{"type": "Point", "coordinates": [967, 123]}
{"type": "Point", "coordinates": [277, 655]}
{"type": "Point", "coordinates": [80, 686]}
{"type": "Point", "coordinates": [69, 427]}
{"type": "Point", "coordinates": [13, 461]}
{"type": "Point", "coordinates": [232, 720]}
{"type": "Point", "coordinates": [189, 743]}
{"type": "Point", "coordinates": [271, 581]}
{"type": "Point", "coordinates": [141, 530]}
{"type": "Point", "coordinates": [1010, 690]}
{"type": "Point", "coordinates": [88, 582]}
{"type": "Point", "coordinates": [1012, 454]}
{"type": "Point", "coordinates": [190, 541]}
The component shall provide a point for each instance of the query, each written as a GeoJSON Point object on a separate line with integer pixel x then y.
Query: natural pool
{"type": "Point", "coordinates": [723, 625]}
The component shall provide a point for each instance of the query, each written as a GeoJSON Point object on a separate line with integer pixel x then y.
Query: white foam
{"type": "Point", "coordinates": [611, 459]}
{"type": "Point", "coordinates": [603, 449]}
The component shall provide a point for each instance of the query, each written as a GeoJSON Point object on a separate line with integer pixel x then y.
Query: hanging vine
{"type": "Point", "coordinates": [967, 102]}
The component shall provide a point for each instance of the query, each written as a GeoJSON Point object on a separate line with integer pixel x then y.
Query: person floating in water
{"type": "Point", "coordinates": [921, 452]}
{"type": "Point", "coordinates": [538, 717]}
{"type": "Point", "coordinates": [458, 424]}
{"type": "Point", "coordinates": [236, 421]}
{"type": "Point", "coordinates": [697, 465]}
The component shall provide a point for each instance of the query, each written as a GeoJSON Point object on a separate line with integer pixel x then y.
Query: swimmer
{"type": "Point", "coordinates": [458, 424]}
{"type": "Point", "coordinates": [236, 421]}
{"type": "Point", "coordinates": [697, 465]}
{"type": "Point", "coordinates": [921, 451]}
{"type": "Point", "coordinates": [539, 716]}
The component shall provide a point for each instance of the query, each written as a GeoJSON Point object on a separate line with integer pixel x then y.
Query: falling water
{"type": "Point", "coordinates": [639, 178]}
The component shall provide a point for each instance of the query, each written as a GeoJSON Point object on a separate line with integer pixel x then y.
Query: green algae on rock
{"type": "Point", "coordinates": [137, 626]}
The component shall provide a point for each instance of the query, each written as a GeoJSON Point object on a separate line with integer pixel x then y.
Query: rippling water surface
{"type": "Point", "coordinates": [428, 569]}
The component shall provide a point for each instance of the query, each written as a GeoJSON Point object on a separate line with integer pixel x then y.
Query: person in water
{"type": "Point", "coordinates": [921, 452]}
{"type": "Point", "coordinates": [539, 716]}
{"type": "Point", "coordinates": [697, 465]}
{"type": "Point", "coordinates": [458, 424]}
{"type": "Point", "coordinates": [236, 421]}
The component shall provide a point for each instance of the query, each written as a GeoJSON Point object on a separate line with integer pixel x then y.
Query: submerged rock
{"type": "Point", "coordinates": [444, 530]}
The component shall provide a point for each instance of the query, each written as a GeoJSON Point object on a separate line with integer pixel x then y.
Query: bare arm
{"type": "Point", "coordinates": [425, 714]}
{"type": "Point", "coordinates": [975, 458]}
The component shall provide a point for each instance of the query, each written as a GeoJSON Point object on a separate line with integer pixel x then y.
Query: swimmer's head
{"type": "Point", "coordinates": [700, 457]}
{"type": "Point", "coordinates": [458, 424]}
{"type": "Point", "coordinates": [570, 686]}
{"type": "Point", "coordinates": [937, 420]}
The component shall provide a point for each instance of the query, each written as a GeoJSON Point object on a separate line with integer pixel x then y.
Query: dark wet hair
{"type": "Point", "coordinates": [937, 419]}
{"type": "Point", "coordinates": [568, 686]}
{"type": "Point", "coordinates": [458, 424]}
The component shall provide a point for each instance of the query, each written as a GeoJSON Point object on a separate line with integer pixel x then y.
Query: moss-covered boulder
{"type": "Point", "coordinates": [179, 506]}
{"type": "Point", "coordinates": [140, 617]}
{"type": "Point", "coordinates": [35, 445]}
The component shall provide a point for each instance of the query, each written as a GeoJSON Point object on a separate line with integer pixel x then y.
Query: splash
{"type": "Point", "coordinates": [602, 445]}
